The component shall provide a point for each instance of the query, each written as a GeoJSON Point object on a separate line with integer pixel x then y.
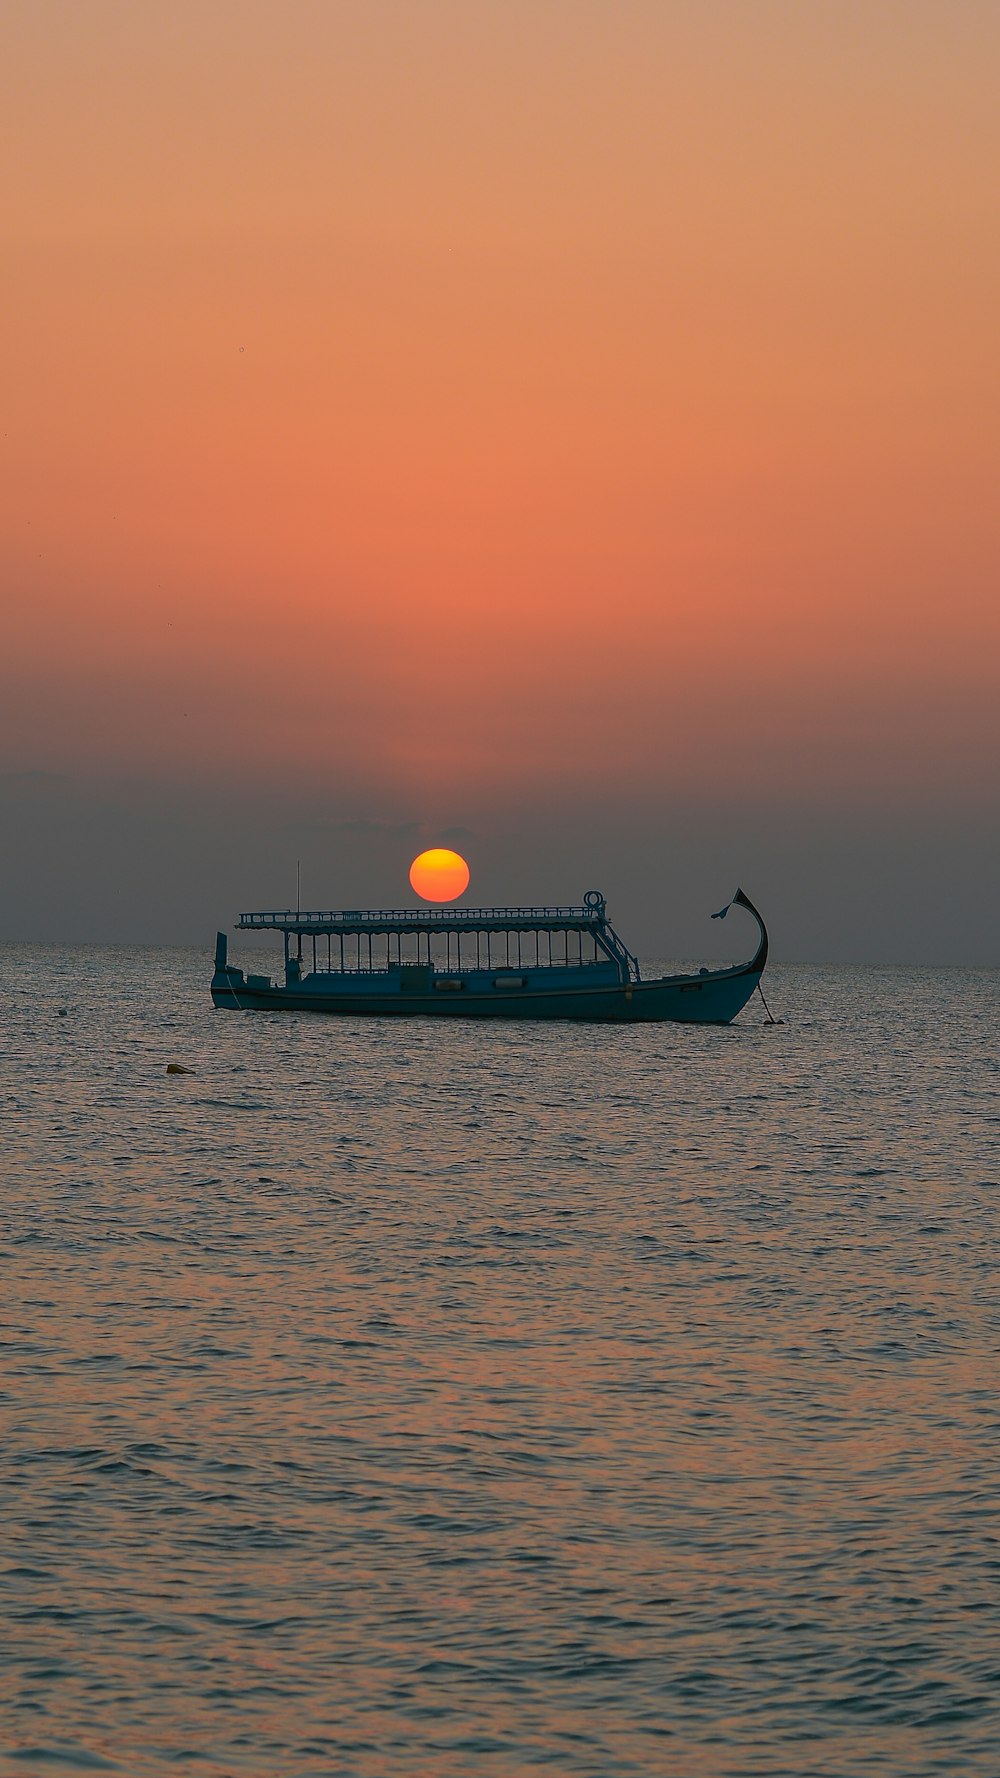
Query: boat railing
{"type": "Point", "coordinates": [439, 966]}
{"type": "Point", "coordinates": [279, 917]}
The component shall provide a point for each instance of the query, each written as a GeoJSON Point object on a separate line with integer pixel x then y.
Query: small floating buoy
{"type": "Point", "coordinates": [177, 1068]}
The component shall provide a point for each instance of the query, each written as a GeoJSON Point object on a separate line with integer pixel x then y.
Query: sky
{"type": "Point", "coordinates": [564, 430]}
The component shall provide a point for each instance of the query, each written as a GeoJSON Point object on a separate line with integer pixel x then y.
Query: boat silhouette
{"type": "Point", "coordinates": [562, 962]}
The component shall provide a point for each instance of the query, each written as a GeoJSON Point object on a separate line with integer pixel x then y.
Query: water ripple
{"type": "Point", "coordinates": [423, 1399]}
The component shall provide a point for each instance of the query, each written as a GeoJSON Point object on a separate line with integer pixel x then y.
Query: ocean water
{"type": "Point", "coordinates": [440, 1398]}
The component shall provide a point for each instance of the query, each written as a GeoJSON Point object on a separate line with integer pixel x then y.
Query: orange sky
{"type": "Point", "coordinates": [469, 402]}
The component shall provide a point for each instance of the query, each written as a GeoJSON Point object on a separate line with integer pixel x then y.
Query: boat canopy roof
{"type": "Point", "coordinates": [588, 916]}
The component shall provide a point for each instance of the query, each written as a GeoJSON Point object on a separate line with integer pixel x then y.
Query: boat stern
{"type": "Point", "coordinates": [227, 980]}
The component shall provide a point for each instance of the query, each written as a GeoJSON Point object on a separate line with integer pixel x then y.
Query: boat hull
{"type": "Point", "coordinates": [712, 998]}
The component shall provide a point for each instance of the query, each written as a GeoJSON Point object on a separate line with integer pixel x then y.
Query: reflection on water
{"type": "Point", "coordinates": [448, 1399]}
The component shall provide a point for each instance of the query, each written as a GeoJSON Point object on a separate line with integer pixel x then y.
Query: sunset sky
{"type": "Point", "coordinates": [565, 430]}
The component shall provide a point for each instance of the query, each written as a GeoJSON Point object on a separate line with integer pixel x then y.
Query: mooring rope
{"type": "Point", "coordinates": [771, 1020]}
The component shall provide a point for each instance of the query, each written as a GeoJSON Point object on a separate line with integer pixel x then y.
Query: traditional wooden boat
{"type": "Point", "coordinates": [493, 963]}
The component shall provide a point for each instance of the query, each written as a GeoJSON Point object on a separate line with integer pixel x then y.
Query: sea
{"type": "Point", "coordinates": [428, 1397]}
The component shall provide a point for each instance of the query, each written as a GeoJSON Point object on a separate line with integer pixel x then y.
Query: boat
{"type": "Point", "coordinates": [563, 962]}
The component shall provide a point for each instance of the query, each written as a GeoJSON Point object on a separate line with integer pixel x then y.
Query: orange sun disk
{"type": "Point", "coordinates": [439, 875]}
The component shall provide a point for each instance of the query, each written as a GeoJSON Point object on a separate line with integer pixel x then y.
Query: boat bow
{"type": "Point", "coordinates": [759, 957]}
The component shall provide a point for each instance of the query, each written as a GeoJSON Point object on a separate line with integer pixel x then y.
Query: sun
{"type": "Point", "coordinates": [439, 875]}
